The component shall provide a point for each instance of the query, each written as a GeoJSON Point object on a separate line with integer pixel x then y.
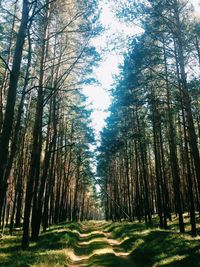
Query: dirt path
{"type": "Point", "coordinates": [93, 242]}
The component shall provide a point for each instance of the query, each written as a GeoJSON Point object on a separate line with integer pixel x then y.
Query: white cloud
{"type": "Point", "coordinates": [196, 4]}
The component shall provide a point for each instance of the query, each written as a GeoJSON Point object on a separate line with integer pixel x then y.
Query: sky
{"type": "Point", "coordinates": [98, 95]}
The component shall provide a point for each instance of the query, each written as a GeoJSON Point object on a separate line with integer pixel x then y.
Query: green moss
{"type": "Point", "coordinates": [136, 244]}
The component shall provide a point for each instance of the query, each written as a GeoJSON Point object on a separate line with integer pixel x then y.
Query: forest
{"type": "Point", "coordinates": [129, 195]}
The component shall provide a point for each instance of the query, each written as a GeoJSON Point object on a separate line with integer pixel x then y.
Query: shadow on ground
{"type": "Point", "coordinates": [117, 244]}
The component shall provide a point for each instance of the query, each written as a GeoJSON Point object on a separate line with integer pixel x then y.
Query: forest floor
{"type": "Point", "coordinates": [104, 244]}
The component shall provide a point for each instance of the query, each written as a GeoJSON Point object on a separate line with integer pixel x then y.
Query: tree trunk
{"type": "Point", "coordinates": [11, 99]}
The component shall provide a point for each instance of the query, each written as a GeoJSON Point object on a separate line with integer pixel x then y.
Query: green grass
{"type": "Point", "coordinates": [137, 245]}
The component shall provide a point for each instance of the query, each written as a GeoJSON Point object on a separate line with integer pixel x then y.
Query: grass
{"type": "Point", "coordinates": [104, 244]}
{"type": "Point", "coordinates": [46, 252]}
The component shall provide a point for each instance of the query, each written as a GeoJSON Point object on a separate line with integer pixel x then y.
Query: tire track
{"type": "Point", "coordinates": [103, 239]}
